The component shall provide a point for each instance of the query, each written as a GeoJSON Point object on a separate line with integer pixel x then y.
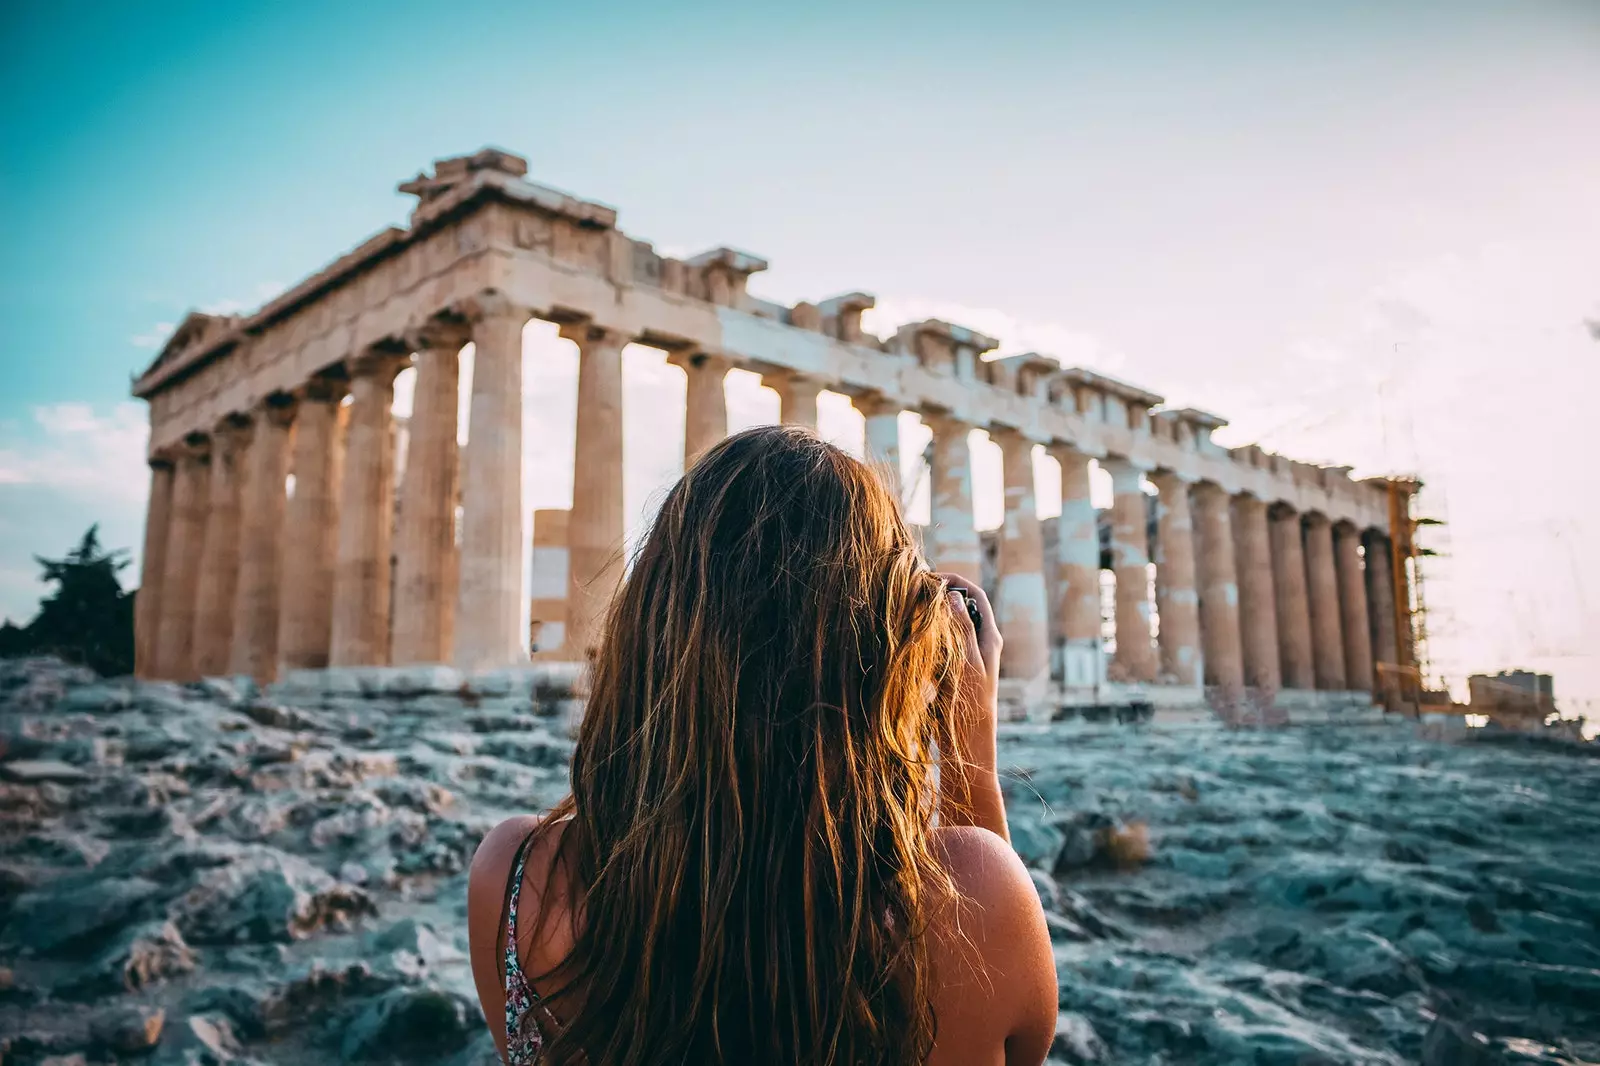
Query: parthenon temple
{"type": "Point", "coordinates": [281, 536]}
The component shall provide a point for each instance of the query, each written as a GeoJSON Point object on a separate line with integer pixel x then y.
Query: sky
{"type": "Point", "coordinates": [1365, 233]}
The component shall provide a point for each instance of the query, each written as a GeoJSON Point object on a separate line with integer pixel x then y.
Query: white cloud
{"type": "Point", "coordinates": [68, 466]}
{"type": "Point", "coordinates": [154, 337]}
{"type": "Point", "coordinates": [74, 448]}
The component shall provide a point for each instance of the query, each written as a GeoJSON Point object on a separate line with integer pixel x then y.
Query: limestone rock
{"type": "Point", "coordinates": [128, 1030]}
{"type": "Point", "coordinates": [414, 1024]}
{"type": "Point", "coordinates": [62, 920]}
{"type": "Point", "coordinates": [266, 896]}
{"type": "Point", "coordinates": [41, 771]}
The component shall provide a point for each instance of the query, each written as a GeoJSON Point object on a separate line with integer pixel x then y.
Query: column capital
{"type": "Point", "coordinates": [381, 360]}
{"type": "Point", "coordinates": [278, 408]}
{"type": "Point", "coordinates": [232, 432]}
{"type": "Point", "coordinates": [1172, 480]}
{"type": "Point", "coordinates": [1279, 511]}
{"type": "Point", "coordinates": [1114, 463]}
{"type": "Point", "coordinates": [941, 421]}
{"type": "Point", "coordinates": [446, 330]}
{"type": "Point", "coordinates": [1074, 451]}
{"type": "Point", "coordinates": [589, 333]}
{"type": "Point", "coordinates": [1010, 439]}
{"type": "Point", "coordinates": [875, 403]}
{"type": "Point", "coordinates": [782, 377]}
{"type": "Point", "coordinates": [694, 358]}
{"type": "Point", "coordinates": [491, 304]}
{"type": "Point", "coordinates": [1249, 502]}
{"type": "Point", "coordinates": [323, 388]}
{"type": "Point", "coordinates": [195, 447]}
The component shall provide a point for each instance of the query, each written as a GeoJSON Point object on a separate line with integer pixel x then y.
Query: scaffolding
{"type": "Point", "coordinates": [1410, 592]}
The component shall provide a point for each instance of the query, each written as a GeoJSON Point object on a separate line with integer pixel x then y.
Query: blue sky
{"type": "Point", "coordinates": [1365, 232]}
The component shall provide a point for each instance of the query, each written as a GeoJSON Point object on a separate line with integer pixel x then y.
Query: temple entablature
{"type": "Point", "coordinates": [481, 227]}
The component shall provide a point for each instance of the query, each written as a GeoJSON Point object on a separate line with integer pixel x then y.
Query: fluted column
{"type": "Point", "coordinates": [595, 527]}
{"type": "Point", "coordinates": [152, 570]}
{"type": "Point", "coordinates": [1322, 583]}
{"type": "Point", "coordinates": [1135, 658]}
{"type": "Point", "coordinates": [425, 529]}
{"type": "Point", "coordinates": [1219, 588]}
{"type": "Point", "coordinates": [1258, 605]}
{"type": "Point", "coordinates": [1177, 599]}
{"type": "Point", "coordinates": [255, 620]}
{"type": "Point", "coordinates": [311, 529]}
{"type": "Point", "coordinates": [797, 397]}
{"type": "Point", "coordinates": [1022, 605]}
{"type": "Point", "coordinates": [1296, 660]}
{"type": "Point", "coordinates": [705, 420]}
{"type": "Point", "coordinates": [185, 539]}
{"type": "Point", "coordinates": [1078, 570]}
{"type": "Point", "coordinates": [493, 549]}
{"type": "Point", "coordinates": [882, 418]}
{"type": "Point", "coordinates": [219, 559]}
{"type": "Point", "coordinates": [952, 539]}
{"type": "Point", "coordinates": [361, 577]}
{"type": "Point", "coordinates": [1353, 619]}
{"type": "Point", "coordinates": [1380, 603]}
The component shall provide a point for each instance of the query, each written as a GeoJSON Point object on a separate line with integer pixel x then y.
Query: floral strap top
{"type": "Point", "coordinates": [524, 1040]}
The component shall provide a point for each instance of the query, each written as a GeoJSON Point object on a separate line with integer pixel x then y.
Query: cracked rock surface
{"type": "Point", "coordinates": [211, 874]}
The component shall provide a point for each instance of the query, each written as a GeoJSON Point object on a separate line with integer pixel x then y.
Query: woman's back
{"type": "Point", "coordinates": [784, 704]}
{"type": "Point", "coordinates": [995, 998]}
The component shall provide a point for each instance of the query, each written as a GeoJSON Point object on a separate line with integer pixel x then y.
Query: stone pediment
{"type": "Point", "coordinates": [197, 329]}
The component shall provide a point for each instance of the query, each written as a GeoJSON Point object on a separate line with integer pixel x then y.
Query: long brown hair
{"type": "Point", "coordinates": [749, 848]}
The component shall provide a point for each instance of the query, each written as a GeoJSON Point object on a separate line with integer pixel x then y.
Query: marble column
{"type": "Point", "coordinates": [1353, 620]}
{"type": "Point", "coordinates": [1322, 583]}
{"type": "Point", "coordinates": [186, 529]}
{"type": "Point", "coordinates": [705, 413]}
{"type": "Point", "coordinates": [1258, 604]}
{"type": "Point", "coordinates": [1380, 601]}
{"type": "Point", "coordinates": [882, 418]}
{"type": "Point", "coordinates": [1297, 662]}
{"type": "Point", "coordinates": [493, 549]}
{"type": "Point", "coordinates": [255, 619]}
{"type": "Point", "coordinates": [797, 397]}
{"type": "Point", "coordinates": [311, 529]}
{"type": "Point", "coordinates": [425, 532]}
{"type": "Point", "coordinates": [1135, 658]}
{"type": "Point", "coordinates": [361, 569]}
{"type": "Point", "coordinates": [595, 526]}
{"type": "Point", "coordinates": [952, 539]}
{"type": "Point", "coordinates": [1177, 598]}
{"type": "Point", "coordinates": [1021, 603]}
{"type": "Point", "coordinates": [1219, 588]}
{"type": "Point", "coordinates": [219, 559]}
{"type": "Point", "coordinates": [152, 568]}
{"type": "Point", "coordinates": [1078, 562]}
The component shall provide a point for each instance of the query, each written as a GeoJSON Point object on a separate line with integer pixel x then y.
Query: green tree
{"type": "Point", "coordinates": [88, 619]}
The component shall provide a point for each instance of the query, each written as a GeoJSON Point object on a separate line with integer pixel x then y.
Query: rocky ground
{"type": "Point", "coordinates": [205, 874]}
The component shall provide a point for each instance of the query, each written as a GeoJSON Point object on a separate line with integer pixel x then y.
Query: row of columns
{"type": "Point", "coordinates": [242, 577]}
{"type": "Point", "coordinates": [1246, 595]}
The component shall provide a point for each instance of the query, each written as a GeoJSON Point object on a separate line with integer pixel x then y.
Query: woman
{"type": "Point", "coordinates": [758, 862]}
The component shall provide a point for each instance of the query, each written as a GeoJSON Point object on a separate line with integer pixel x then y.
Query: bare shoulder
{"type": "Point", "coordinates": [986, 869]}
{"type": "Point", "coordinates": [997, 976]}
{"type": "Point", "coordinates": [488, 884]}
